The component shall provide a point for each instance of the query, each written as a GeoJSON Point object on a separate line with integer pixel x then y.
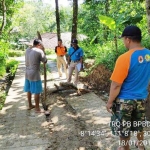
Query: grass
{"type": "Point", "coordinates": [42, 69]}
{"type": "Point", "coordinates": [49, 52]}
{"type": "Point", "coordinates": [2, 99]}
{"type": "Point", "coordinates": [11, 67]}
{"type": "Point", "coordinates": [16, 53]}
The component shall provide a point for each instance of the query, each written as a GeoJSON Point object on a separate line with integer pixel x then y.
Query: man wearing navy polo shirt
{"type": "Point", "coordinates": [75, 61]}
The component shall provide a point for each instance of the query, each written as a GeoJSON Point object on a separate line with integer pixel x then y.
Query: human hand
{"type": "Point", "coordinates": [109, 106]}
{"type": "Point", "coordinates": [81, 68]}
{"type": "Point", "coordinates": [67, 66]}
{"type": "Point", "coordinates": [42, 48]}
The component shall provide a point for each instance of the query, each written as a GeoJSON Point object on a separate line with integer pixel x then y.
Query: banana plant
{"type": "Point", "coordinates": [111, 24]}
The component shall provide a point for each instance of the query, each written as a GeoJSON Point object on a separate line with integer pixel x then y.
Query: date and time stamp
{"type": "Point", "coordinates": [103, 132]}
{"type": "Point", "coordinates": [99, 133]}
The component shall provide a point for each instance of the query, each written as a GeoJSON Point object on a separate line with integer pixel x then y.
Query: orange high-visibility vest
{"type": "Point", "coordinates": [61, 50]}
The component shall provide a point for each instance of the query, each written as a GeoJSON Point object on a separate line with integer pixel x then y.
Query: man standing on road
{"type": "Point", "coordinates": [75, 61]}
{"type": "Point", "coordinates": [33, 84]}
{"type": "Point", "coordinates": [61, 51]}
{"type": "Point", "coordinates": [128, 90]}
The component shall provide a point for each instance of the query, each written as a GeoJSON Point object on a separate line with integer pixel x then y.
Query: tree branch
{"type": "Point", "coordinates": [4, 16]}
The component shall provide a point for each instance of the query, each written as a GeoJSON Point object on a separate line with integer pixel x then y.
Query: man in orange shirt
{"type": "Point", "coordinates": [61, 51]}
{"type": "Point", "coordinates": [128, 91]}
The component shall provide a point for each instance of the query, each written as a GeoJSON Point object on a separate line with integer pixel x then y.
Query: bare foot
{"type": "Point", "coordinates": [33, 106]}
{"type": "Point", "coordinates": [140, 146]}
{"type": "Point", "coordinates": [120, 148]}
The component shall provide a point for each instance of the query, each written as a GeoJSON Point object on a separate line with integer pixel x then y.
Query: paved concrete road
{"type": "Point", "coordinates": [21, 129]}
{"type": "Point", "coordinates": [72, 121]}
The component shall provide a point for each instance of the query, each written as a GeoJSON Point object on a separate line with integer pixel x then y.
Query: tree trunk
{"type": "Point", "coordinates": [75, 19]}
{"type": "Point", "coordinates": [57, 19]}
{"type": "Point", "coordinates": [107, 14]}
{"type": "Point", "coordinates": [4, 16]}
{"type": "Point", "coordinates": [148, 14]}
{"type": "Point", "coordinates": [148, 22]}
{"type": "Point", "coordinates": [147, 105]}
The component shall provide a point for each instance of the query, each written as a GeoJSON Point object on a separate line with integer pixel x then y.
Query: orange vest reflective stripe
{"type": "Point", "coordinates": [61, 51]}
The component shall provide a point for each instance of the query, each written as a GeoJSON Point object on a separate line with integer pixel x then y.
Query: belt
{"type": "Point", "coordinates": [74, 61]}
{"type": "Point", "coordinates": [124, 100]}
{"type": "Point", "coordinates": [61, 55]}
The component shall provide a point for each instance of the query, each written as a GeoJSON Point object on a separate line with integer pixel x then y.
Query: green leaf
{"type": "Point", "coordinates": [109, 22]}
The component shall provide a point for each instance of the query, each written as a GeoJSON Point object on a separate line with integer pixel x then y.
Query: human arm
{"type": "Point", "coordinates": [68, 61]}
{"type": "Point", "coordinates": [118, 76]}
{"type": "Point", "coordinates": [114, 91]}
{"type": "Point", "coordinates": [81, 59]}
{"type": "Point", "coordinates": [43, 56]}
{"type": "Point", "coordinates": [65, 49]}
{"type": "Point", "coordinates": [68, 57]}
{"type": "Point", "coordinates": [56, 49]}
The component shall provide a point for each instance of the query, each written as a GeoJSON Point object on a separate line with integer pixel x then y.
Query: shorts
{"type": "Point", "coordinates": [34, 87]}
{"type": "Point", "coordinates": [128, 117]}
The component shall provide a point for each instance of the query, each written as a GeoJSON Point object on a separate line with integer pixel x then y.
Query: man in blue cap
{"type": "Point", "coordinates": [75, 61]}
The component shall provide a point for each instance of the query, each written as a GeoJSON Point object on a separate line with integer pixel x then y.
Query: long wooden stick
{"type": "Point", "coordinates": [45, 78]}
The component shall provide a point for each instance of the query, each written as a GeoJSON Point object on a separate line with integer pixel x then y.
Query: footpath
{"type": "Point", "coordinates": [21, 129]}
{"type": "Point", "coordinates": [76, 122]}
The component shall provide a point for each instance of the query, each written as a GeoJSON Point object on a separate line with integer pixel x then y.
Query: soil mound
{"type": "Point", "coordinates": [98, 79]}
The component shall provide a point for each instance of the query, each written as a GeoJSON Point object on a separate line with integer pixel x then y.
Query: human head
{"type": "Point", "coordinates": [59, 41]}
{"type": "Point", "coordinates": [133, 33]}
{"type": "Point", "coordinates": [38, 43]}
{"type": "Point", "coordinates": [74, 42]}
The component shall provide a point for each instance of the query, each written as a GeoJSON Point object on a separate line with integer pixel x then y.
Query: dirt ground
{"type": "Point", "coordinates": [81, 122]}
{"type": "Point", "coordinates": [78, 122]}
{"type": "Point", "coordinates": [98, 79]}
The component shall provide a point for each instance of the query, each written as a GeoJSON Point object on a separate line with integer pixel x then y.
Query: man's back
{"type": "Point", "coordinates": [135, 70]}
{"type": "Point", "coordinates": [32, 58]}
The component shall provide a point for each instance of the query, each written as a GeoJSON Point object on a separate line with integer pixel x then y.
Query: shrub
{"type": "Point", "coordinates": [2, 99]}
{"type": "Point", "coordinates": [105, 54]}
{"type": "Point", "coordinates": [14, 53]}
{"type": "Point", "coordinates": [42, 69]}
{"type": "Point", "coordinates": [49, 52]}
{"type": "Point", "coordinates": [3, 55]}
{"type": "Point", "coordinates": [3, 63]}
{"type": "Point", "coordinates": [11, 66]}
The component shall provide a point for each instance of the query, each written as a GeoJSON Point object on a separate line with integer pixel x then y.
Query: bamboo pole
{"type": "Point", "coordinates": [45, 78]}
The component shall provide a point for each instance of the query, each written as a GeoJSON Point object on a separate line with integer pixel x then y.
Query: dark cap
{"type": "Point", "coordinates": [37, 41]}
{"type": "Point", "coordinates": [75, 41]}
{"type": "Point", "coordinates": [131, 31]}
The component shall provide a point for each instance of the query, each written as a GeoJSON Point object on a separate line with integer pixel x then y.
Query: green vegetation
{"type": "Point", "coordinates": [15, 53]}
{"type": "Point", "coordinates": [49, 52]}
{"type": "Point", "coordinates": [101, 21]}
{"type": "Point", "coordinates": [3, 63]}
{"type": "Point", "coordinates": [42, 69]}
{"type": "Point", "coordinates": [103, 54]}
{"type": "Point", "coordinates": [3, 56]}
{"type": "Point", "coordinates": [2, 99]}
{"type": "Point", "coordinates": [11, 66]}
